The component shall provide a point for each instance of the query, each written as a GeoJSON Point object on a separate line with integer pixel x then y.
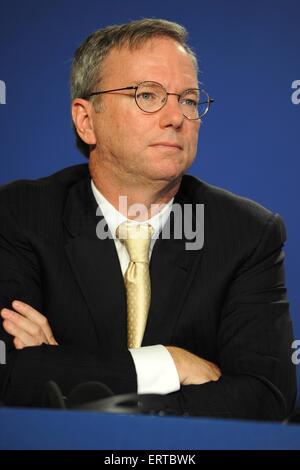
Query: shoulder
{"type": "Point", "coordinates": [47, 192]}
{"type": "Point", "coordinates": [231, 215]}
{"type": "Point", "coordinates": [199, 191]}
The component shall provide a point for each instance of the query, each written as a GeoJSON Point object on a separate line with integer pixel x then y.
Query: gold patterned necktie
{"type": "Point", "coordinates": [136, 239]}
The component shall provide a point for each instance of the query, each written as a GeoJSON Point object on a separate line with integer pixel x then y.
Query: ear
{"type": "Point", "coordinates": [82, 119]}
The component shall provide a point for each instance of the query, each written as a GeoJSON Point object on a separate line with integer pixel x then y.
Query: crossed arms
{"type": "Point", "coordinates": [254, 339]}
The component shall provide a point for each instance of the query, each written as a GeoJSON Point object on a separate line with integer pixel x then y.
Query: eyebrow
{"type": "Point", "coordinates": [197, 87]}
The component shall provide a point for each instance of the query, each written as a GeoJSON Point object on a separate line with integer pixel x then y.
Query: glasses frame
{"type": "Point", "coordinates": [135, 87]}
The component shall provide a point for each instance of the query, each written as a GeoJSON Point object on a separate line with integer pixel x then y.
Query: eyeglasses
{"type": "Point", "coordinates": [152, 96]}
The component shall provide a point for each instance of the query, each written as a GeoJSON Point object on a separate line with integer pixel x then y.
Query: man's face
{"type": "Point", "coordinates": [138, 146]}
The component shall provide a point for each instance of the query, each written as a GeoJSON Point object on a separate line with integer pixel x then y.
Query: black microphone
{"type": "Point", "coordinates": [131, 403]}
{"type": "Point", "coordinates": [53, 396]}
{"type": "Point", "coordinates": [293, 418]}
{"type": "Point", "coordinates": [79, 396]}
{"type": "Point", "coordinates": [88, 392]}
{"type": "Point", "coordinates": [96, 396]}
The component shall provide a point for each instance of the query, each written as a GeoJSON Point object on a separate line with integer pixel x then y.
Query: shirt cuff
{"type": "Point", "coordinates": [155, 369]}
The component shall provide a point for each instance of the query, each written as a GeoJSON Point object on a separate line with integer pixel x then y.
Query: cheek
{"type": "Point", "coordinates": [136, 135]}
{"type": "Point", "coordinates": [193, 139]}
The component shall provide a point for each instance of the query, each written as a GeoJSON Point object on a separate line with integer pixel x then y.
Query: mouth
{"type": "Point", "coordinates": [167, 145]}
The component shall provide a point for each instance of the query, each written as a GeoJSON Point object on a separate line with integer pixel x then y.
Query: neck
{"type": "Point", "coordinates": [138, 201]}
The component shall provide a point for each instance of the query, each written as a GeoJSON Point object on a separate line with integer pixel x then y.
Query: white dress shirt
{"type": "Point", "coordinates": [155, 368]}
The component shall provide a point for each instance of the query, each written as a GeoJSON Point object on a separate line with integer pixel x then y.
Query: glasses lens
{"type": "Point", "coordinates": [194, 103]}
{"type": "Point", "coordinates": [150, 96]}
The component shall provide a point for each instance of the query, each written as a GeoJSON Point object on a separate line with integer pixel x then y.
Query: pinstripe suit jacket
{"type": "Point", "coordinates": [225, 302]}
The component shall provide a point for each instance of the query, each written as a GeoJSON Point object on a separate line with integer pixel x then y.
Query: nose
{"type": "Point", "coordinates": [171, 114]}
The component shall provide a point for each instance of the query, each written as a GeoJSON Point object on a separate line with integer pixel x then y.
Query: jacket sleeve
{"type": "Point", "coordinates": [254, 342]}
{"type": "Point", "coordinates": [25, 372]}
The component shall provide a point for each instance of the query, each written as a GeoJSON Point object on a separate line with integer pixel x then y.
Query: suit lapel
{"type": "Point", "coordinates": [96, 266]}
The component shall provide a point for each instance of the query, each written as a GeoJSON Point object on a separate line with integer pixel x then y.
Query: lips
{"type": "Point", "coordinates": [167, 145]}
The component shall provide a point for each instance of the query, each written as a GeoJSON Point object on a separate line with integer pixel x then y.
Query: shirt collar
{"type": "Point", "coordinates": [114, 218]}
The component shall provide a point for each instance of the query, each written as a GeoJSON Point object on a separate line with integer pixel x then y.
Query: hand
{"type": "Point", "coordinates": [28, 326]}
{"type": "Point", "coordinates": [192, 369]}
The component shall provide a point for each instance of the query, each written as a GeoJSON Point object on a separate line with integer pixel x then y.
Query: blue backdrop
{"type": "Point", "coordinates": [249, 57]}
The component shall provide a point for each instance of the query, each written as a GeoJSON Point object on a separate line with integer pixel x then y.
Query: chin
{"type": "Point", "coordinates": [168, 174]}
{"type": "Point", "coordinates": [167, 168]}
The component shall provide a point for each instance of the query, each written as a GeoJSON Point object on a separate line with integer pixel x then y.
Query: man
{"type": "Point", "coordinates": [206, 326]}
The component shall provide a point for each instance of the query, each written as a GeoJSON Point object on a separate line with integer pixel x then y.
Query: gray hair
{"type": "Point", "coordinates": [86, 67]}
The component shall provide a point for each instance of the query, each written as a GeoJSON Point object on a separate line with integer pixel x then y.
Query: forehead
{"type": "Point", "coordinates": [158, 59]}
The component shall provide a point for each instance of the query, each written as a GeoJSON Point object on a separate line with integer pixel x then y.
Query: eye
{"type": "Point", "coordinates": [190, 98]}
{"type": "Point", "coordinates": [189, 102]}
{"type": "Point", "coordinates": [147, 96]}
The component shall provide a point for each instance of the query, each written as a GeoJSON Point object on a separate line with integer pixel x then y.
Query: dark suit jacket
{"type": "Point", "coordinates": [226, 302]}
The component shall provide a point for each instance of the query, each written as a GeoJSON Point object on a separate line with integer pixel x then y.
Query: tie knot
{"type": "Point", "coordinates": [136, 239]}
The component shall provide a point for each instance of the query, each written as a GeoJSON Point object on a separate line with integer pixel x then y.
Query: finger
{"type": "Point", "coordinates": [213, 373]}
{"type": "Point", "coordinates": [215, 378]}
{"type": "Point", "coordinates": [18, 343]}
{"type": "Point", "coordinates": [36, 317]}
{"type": "Point", "coordinates": [26, 325]}
{"type": "Point", "coordinates": [52, 341]}
{"type": "Point", "coordinates": [216, 374]}
{"type": "Point", "coordinates": [3, 312]}
{"type": "Point", "coordinates": [217, 370]}
{"type": "Point", "coordinates": [214, 367]}
{"type": "Point", "coordinates": [28, 311]}
{"type": "Point", "coordinates": [14, 330]}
